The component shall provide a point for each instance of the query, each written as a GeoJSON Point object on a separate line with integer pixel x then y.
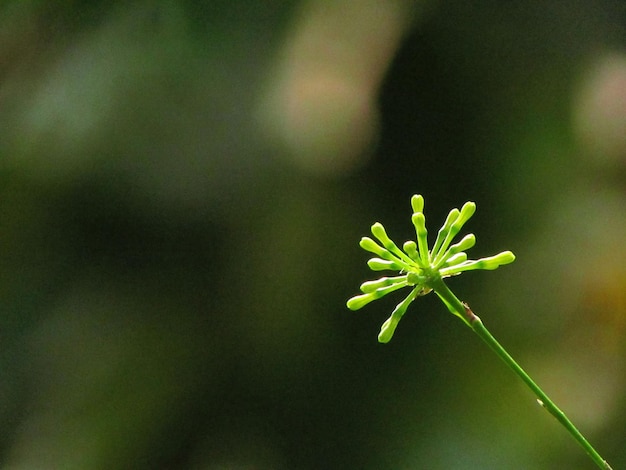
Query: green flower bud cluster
{"type": "Point", "coordinates": [420, 268]}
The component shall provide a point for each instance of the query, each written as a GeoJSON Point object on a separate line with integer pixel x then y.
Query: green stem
{"type": "Point", "coordinates": [461, 309]}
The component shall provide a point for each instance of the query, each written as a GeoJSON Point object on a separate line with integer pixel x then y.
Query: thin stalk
{"type": "Point", "coordinates": [461, 309]}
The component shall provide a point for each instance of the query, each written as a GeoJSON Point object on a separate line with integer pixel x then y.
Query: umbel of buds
{"type": "Point", "coordinates": [420, 268]}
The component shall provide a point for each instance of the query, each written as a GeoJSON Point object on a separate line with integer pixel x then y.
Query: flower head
{"type": "Point", "coordinates": [418, 267]}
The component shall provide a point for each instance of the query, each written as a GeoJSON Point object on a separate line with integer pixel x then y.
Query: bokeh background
{"type": "Point", "coordinates": [183, 185]}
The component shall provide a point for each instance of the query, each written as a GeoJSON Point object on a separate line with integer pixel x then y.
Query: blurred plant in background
{"type": "Point", "coordinates": [171, 291]}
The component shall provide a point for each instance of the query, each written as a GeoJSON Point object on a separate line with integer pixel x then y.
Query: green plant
{"type": "Point", "coordinates": [424, 271]}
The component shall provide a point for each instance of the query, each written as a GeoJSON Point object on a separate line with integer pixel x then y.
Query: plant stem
{"type": "Point", "coordinates": [462, 309]}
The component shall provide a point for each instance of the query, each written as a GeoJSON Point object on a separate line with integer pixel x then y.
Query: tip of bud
{"type": "Point", "coordinates": [417, 203]}
{"type": "Point", "coordinates": [506, 257]}
{"type": "Point", "coordinates": [360, 301]}
{"type": "Point", "coordinates": [467, 211]}
{"type": "Point", "coordinates": [388, 329]}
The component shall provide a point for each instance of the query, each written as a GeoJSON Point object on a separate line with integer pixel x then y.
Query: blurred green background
{"type": "Point", "coordinates": [183, 185]}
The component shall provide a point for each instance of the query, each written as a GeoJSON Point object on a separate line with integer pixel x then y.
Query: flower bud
{"type": "Point", "coordinates": [417, 203]}
{"type": "Point", "coordinates": [360, 301]}
{"type": "Point", "coordinates": [466, 243]}
{"type": "Point", "coordinates": [467, 211]}
{"type": "Point", "coordinates": [506, 257]}
{"type": "Point", "coordinates": [388, 329]}
{"type": "Point", "coordinates": [455, 259]}
{"type": "Point", "coordinates": [442, 235]}
{"type": "Point", "coordinates": [370, 245]}
{"type": "Point", "coordinates": [379, 232]}
{"type": "Point", "coordinates": [371, 286]}
{"type": "Point", "coordinates": [493, 262]}
{"type": "Point", "coordinates": [489, 264]}
{"type": "Point", "coordinates": [410, 248]}
{"type": "Point", "coordinates": [419, 221]}
{"type": "Point", "coordinates": [377, 264]}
